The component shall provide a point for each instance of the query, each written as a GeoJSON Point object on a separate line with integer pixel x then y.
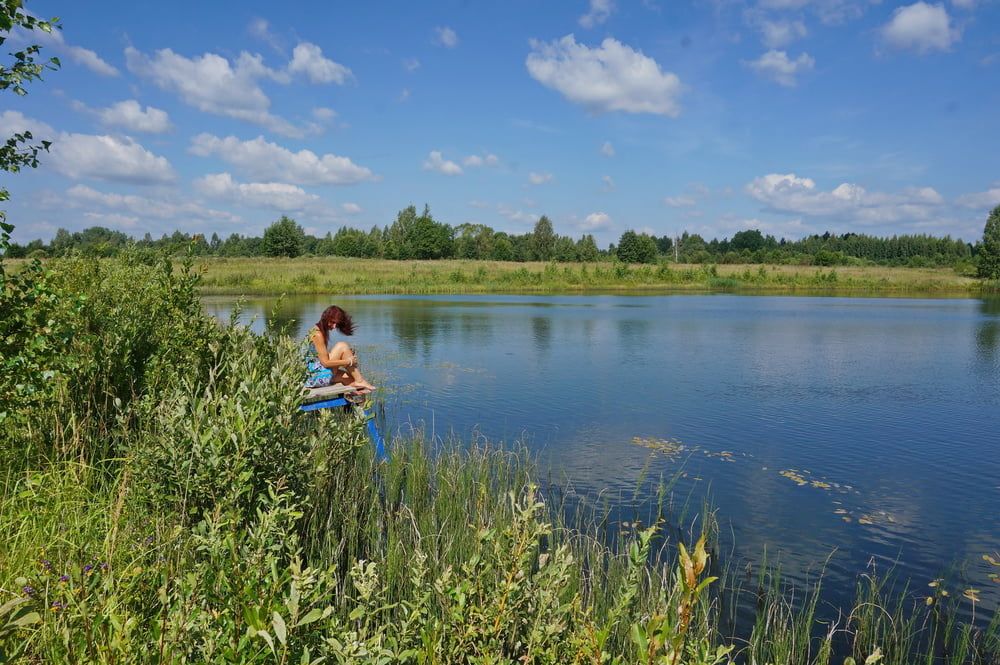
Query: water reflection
{"type": "Point", "coordinates": [988, 331]}
{"type": "Point", "coordinates": [891, 405]}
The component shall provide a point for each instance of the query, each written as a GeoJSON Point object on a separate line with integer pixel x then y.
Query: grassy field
{"type": "Point", "coordinates": [261, 276]}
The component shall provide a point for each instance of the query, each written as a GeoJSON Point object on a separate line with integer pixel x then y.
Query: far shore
{"type": "Point", "coordinates": [335, 275]}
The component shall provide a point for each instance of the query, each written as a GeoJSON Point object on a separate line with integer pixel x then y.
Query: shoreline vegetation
{"type": "Point", "coordinates": [303, 276]}
{"type": "Point", "coordinates": [164, 500]}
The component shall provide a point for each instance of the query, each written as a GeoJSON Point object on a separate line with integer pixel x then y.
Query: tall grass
{"type": "Point", "coordinates": [175, 506]}
{"type": "Point", "coordinates": [373, 276]}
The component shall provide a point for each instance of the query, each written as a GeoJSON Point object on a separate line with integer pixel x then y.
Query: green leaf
{"type": "Point", "coordinates": [312, 615]}
{"type": "Point", "coordinates": [279, 627]}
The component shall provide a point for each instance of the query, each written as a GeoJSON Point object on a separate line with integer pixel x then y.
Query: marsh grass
{"type": "Point", "coordinates": [263, 276]}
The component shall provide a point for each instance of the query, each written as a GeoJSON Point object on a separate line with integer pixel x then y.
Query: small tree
{"type": "Point", "coordinates": [636, 248]}
{"type": "Point", "coordinates": [989, 250]}
{"type": "Point", "coordinates": [543, 240]}
{"type": "Point", "coordinates": [284, 238]}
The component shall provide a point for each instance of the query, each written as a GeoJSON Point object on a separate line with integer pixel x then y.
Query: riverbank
{"type": "Point", "coordinates": [263, 276]}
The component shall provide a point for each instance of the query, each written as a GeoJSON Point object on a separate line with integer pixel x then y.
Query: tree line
{"type": "Point", "coordinates": [416, 235]}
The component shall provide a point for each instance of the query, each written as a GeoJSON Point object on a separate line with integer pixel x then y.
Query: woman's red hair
{"type": "Point", "coordinates": [334, 316]}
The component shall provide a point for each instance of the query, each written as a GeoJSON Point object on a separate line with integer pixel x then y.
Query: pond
{"type": "Point", "coordinates": [829, 432]}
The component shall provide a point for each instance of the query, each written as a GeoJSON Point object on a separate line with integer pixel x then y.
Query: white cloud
{"type": "Point", "coordinates": [404, 95]}
{"type": "Point", "coordinates": [99, 157]}
{"type": "Point", "coordinates": [776, 66]}
{"type": "Point", "coordinates": [15, 122]}
{"type": "Point", "coordinates": [788, 193]}
{"type": "Point", "coordinates": [308, 59]}
{"type": "Point", "coordinates": [261, 29]}
{"type": "Point", "coordinates": [982, 200]}
{"type": "Point", "coordinates": [607, 149]}
{"type": "Point", "coordinates": [516, 214]}
{"type": "Point", "coordinates": [273, 195]}
{"type": "Point", "coordinates": [596, 221]}
{"type": "Point", "coordinates": [679, 201]}
{"type": "Point", "coordinates": [776, 34]}
{"type": "Point", "coordinates": [210, 83]}
{"type": "Point", "coordinates": [144, 207]}
{"type": "Point", "coordinates": [78, 54]}
{"type": "Point", "coordinates": [488, 159]}
{"type": "Point", "coordinates": [436, 162]}
{"type": "Point", "coordinates": [112, 158]}
{"type": "Point", "coordinates": [411, 64]}
{"type": "Point", "coordinates": [611, 77]}
{"type": "Point", "coordinates": [921, 27]}
{"type": "Point", "coordinates": [130, 115]}
{"type": "Point", "coordinates": [599, 12]}
{"type": "Point", "coordinates": [539, 178]}
{"type": "Point", "coordinates": [264, 160]}
{"type": "Point", "coordinates": [445, 36]}
{"type": "Point", "coordinates": [351, 208]}
{"type": "Point", "coordinates": [323, 113]}
{"type": "Point", "coordinates": [609, 183]}
{"type": "Point", "coordinates": [111, 219]}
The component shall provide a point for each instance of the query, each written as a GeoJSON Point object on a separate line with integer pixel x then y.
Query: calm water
{"type": "Point", "coordinates": [888, 410]}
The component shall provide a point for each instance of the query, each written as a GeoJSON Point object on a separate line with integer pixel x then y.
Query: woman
{"type": "Point", "coordinates": [339, 364]}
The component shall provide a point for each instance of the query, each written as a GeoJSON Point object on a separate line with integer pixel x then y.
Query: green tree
{"type": "Point", "coordinates": [586, 249]}
{"type": "Point", "coordinates": [284, 238]}
{"type": "Point", "coordinates": [636, 248]}
{"type": "Point", "coordinates": [751, 239]}
{"type": "Point", "coordinates": [35, 327]}
{"type": "Point", "coordinates": [543, 240]}
{"type": "Point", "coordinates": [989, 250]}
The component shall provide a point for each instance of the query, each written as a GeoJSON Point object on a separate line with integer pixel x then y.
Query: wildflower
{"type": "Point", "coordinates": [63, 579]}
{"type": "Point", "coordinates": [57, 606]}
{"type": "Point", "coordinates": [149, 540]}
{"type": "Point", "coordinates": [88, 569]}
{"type": "Point", "coordinates": [28, 590]}
{"type": "Point", "coordinates": [104, 566]}
{"type": "Point", "coordinates": [45, 564]}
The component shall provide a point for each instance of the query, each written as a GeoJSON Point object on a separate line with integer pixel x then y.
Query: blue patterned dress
{"type": "Point", "coordinates": [316, 375]}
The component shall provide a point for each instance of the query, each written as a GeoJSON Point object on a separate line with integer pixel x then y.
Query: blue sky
{"type": "Point", "coordinates": [792, 116]}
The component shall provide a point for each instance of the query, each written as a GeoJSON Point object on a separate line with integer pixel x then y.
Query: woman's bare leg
{"type": "Point", "coordinates": [351, 375]}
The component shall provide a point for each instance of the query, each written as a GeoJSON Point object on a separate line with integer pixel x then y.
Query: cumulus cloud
{"type": "Point", "coordinates": [610, 77]}
{"type": "Point", "coordinates": [679, 201]}
{"type": "Point", "coordinates": [15, 122]}
{"type": "Point", "coordinates": [308, 59]}
{"type": "Point", "coordinates": [351, 208]}
{"type": "Point", "coordinates": [599, 12]}
{"type": "Point", "coordinates": [608, 183]}
{"type": "Point", "coordinates": [263, 160]}
{"type": "Point", "coordinates": [436, 162]}
{"type": "Point", "coordinates": [411, 64]}
{"type": "Point", "coordinates": [99, 157]}
{"type": "Point", "coordinates": [778, 33]}
{"type": "Point", "coordinates": [445, 36]}
{"type": "Point", "coordinates": [607, 149]}
{"type": "Point", "coordinates": [143, 207]}
{"type": "Point", "coordinates": [212, 84]}
{"type": "Point", "coordinates": [110, 158]}
{"type": "Point", "coordinates": [982, 200]}
{"type": "Point", "coordinates": [596, 221]}
{"type": "Point", "coordinates": [539, 178]}
{"type": "Point", "coordinates": [131, 116]}
{"type": "Point", "coordinates": [789, 193]}
{"type": "Point", "coordinates": [487, 159]}
{"type": "Point", "coordinates": [921, 27]}
{"type": "Point", "coordinates": [273, 195]}
{"type": "Point", "coordinates": [777, 66]}
{"type": "Point", "coordinates": [323, 113]}
{"type": "Point", "coordinates": [516, 214]}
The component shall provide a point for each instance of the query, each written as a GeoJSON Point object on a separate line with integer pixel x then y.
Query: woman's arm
{"type": "Point", "coordinates": [342, 358]}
